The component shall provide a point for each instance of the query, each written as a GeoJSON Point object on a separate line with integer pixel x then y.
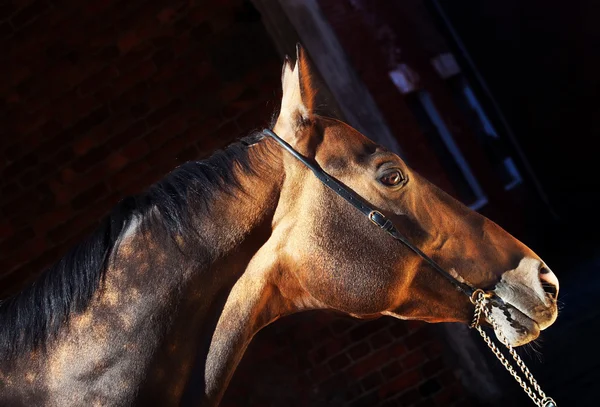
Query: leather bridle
{"type": "Point", "coordinates": [373, 214]}
{"type": "Point", "coordinates": [480, 298]}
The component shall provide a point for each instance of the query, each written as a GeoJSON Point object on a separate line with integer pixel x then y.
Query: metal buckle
{"type": "Point", "coordinates": [386, 225]}
{"type": "Point", "coordinates": [372, 216]}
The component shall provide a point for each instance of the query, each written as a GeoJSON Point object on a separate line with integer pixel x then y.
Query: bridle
{"type": "Point", "coordinates": [480, 298]}
{"type": "Point", "coordinates": [374, 215]}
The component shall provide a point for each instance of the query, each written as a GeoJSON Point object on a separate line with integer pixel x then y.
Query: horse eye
{"type": "Point", "coordinates": [391, 178]}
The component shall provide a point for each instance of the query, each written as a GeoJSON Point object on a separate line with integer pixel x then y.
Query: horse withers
{"type": "Point", "coordinates": [158, 305]}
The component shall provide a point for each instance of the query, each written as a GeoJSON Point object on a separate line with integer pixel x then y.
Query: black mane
{"type": "Point", "coordinates": [30, 317]}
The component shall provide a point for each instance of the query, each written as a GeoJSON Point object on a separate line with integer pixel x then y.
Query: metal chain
{"type": "Point", "coordinates": [480, 299]}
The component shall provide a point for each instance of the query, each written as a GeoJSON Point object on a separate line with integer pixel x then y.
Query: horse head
{"type": "Point", "coordinates": [329, 255]}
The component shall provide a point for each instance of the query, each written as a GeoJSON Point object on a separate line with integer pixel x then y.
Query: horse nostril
{"type": "Point", "coordinates": [549, 282]}
{"type": "Point", "coordinates": [550, 289]}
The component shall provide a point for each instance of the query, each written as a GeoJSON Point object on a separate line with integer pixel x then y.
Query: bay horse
{"type": "Point", "coordinates": [158, 305]}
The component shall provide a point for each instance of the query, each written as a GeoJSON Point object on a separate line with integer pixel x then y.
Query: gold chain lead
{"type": "Point", "coordinates": [480, 299]}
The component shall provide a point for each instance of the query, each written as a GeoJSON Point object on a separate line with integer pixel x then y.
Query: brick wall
{"type": "Point", "coordinates": [323, 359]}
{"type": "Point", "coordinates": [100, 99]}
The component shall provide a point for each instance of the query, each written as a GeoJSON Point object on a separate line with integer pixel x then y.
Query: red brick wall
{"type": "Point", "coordinates": [99, 99]}
{"type": "Point", "coordinates": [322, 359]}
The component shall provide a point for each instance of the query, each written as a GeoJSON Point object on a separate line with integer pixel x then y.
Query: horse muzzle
{"type": "Point", "coordinates": [529, 301]}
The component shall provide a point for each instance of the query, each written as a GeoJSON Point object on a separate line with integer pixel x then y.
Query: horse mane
{"type": "Point", "coordinates": [32, 316]}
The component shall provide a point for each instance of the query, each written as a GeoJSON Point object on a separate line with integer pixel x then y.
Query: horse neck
{"type": "Point", "coordinates": [237, 225]}
{"type": "Point", "coordinates": [157, 303]}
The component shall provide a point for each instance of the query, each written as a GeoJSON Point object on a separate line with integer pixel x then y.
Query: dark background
{"type": "Point", "coordinates": [100, 99]}
{"type": "Point", "coordinates": [539, 62]}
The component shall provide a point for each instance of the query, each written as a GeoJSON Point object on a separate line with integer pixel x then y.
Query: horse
{"type": "Point", "coordinates": [158, 305]}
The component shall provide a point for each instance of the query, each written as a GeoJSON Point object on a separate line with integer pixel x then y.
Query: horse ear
{"type": "Point", "coordinates": [298, 95]}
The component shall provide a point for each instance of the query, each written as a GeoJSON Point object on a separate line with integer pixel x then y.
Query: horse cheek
{"type": "Point", "coordinates": [355, 289]}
